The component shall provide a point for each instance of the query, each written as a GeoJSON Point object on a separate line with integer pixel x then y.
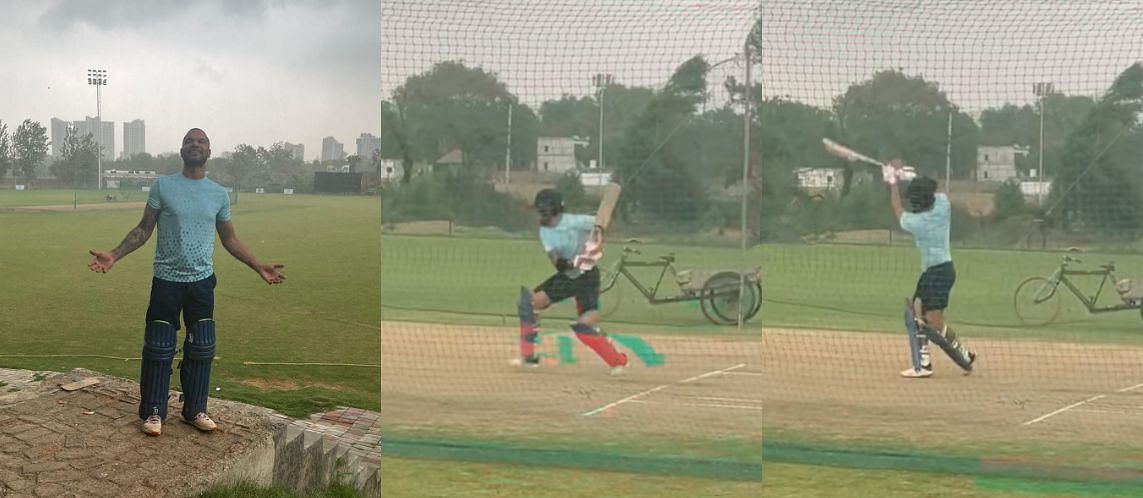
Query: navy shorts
{"type": "Point", "coordinates": [193, 300]}
{"type": "Point", "coordinates": [934, 287]}
{"type": "Point", "coordinates": [585, 289]}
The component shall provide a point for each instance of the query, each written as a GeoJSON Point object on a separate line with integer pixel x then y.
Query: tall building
{"type": "Point", "coordinates": [60, 129]}
{"type": "Point", "coordinates": [366, 144]}
{"type": "Point", "coordinates": [332, 150]}
{"type": "Point", "coordinates": [297, 151]}
{"type": "Point", "coordinates": [134, 138]}
{"type": "Point", "coordinates": [106, 134]}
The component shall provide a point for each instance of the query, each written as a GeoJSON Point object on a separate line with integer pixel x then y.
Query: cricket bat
{"type": "Point", "coordinates": [607, 205]}
{"type": "Point", "coordinates": [593, 248]}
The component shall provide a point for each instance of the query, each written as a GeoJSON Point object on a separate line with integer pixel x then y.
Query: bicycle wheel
{"type": "Point", "coordinates": [610, 294]}
{"type": "Point", "coordinates": [1037, 301]}
{"type": "Point", "coordinates": [723, 299]}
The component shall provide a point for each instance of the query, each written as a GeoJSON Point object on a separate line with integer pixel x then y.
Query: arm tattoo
{"type": "Point", "coordinates": [134, 240]}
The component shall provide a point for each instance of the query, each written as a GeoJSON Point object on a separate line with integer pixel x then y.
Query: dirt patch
{"type": "Point", "coordinates": [457, 379]}
{"type": "Point", "coordinates": [845, 386]}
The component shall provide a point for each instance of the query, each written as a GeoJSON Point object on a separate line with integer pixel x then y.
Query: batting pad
{"type": "Point", "coordinates": [198, 354]}
{"type": "Point", "coordinates": [948, 343]}
{"type": "Point", "coordinates": [155, 372]}
{"type": "Point", "coordinates": [914, 337]}
{"type": "Point", "coordinates": [527, 323]}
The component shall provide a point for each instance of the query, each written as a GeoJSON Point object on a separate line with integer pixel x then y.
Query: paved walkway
{"type": "Point", "coordinates": [88, 443]}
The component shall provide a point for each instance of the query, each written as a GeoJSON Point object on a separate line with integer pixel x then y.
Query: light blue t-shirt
{"type": "Point", "coordinates": [188, 211]}
{"type": "Point", "coordinates": [568, 237]}
{"type": "Point", "coordinates": [930, 231]}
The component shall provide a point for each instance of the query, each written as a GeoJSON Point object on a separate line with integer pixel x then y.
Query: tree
{"type": "Point", "coordinates": [78, 162]}
{"type": "Point", "coordinates": [1099, 185]}
{"type": "Point", "coordinates": [30, 147]}
{"type": "Point", "coordinates": [454, 107]}
{"type": "Point", "coordinates": [1008, 200]}
{"type": "Point", "coordinates": [245, 163]}
{"type": "Point", "coordinates": [395, 143]}
{"type": "Point", "coordinates": [5, 149]}
{"type": "Point", "coordinates": [658, 182]}
{"type": "Point", "coordinates": [353, 159]}
{"type": "Point", "coordinates": [895, 115]}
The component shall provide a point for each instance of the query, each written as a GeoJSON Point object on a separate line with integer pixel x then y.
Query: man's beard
{"type": "Point", "coordinates": [194, 163]}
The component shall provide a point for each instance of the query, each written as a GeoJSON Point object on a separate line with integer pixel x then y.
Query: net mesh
{"type": "Point", "coordinates": [1027, 115]}
{"type": "Point", "coordinates": [485, 105]}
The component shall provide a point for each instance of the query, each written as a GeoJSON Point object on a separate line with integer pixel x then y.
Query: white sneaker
{"type": "Point", "coordinates": [915, 373]}
{"type": "Point", "coordinates": [618, 370]}
{"type": "Point", "coordinates": [203, 423]}
{"type": "Point", "coordinates": [153, 426]}
{"type": "Point", "coordinates": [525, 362]}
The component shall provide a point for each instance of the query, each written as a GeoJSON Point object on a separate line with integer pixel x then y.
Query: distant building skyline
{"type": "Point", "coordinates": [134, 138]}
{"type": "Point", "coordinates": [332, 150]}
{"type": "Point", "coordinates": [367, 144]}
{"type": "Point", "coordinates": [297, 151]}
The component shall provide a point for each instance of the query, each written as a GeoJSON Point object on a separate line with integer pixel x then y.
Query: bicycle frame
{"type": "Point", "coordinates": [652, 294]}
{"type": "Point", "coordinates": [1061, 276]}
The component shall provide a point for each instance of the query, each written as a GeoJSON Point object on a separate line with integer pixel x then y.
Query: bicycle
{"type": "Point", "coordinates": [1045, 293]}
{"type": "Point", "coordinates": [719, 294]}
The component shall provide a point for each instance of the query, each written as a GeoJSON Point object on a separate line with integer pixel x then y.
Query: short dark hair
{"type": "Point", "coordinates": [198, 130]}
{"type": "Point", "coordinates": [922, 193]}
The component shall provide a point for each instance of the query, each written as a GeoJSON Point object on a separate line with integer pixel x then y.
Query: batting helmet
{"type": "Point", "coordinates": [550, 201]}
{"type": "Point", "coordinates": [921, 193]}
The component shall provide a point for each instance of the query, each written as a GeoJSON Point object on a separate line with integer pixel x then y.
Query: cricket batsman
{"type": "Point", "coordinates": [573, 243]}
{"type": "Point", "coordinates": [928, 221]}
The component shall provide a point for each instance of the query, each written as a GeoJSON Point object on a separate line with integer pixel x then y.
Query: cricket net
{"type": "Point", "coordinates": [487, 103]}
{"type": "Point", "coordinates": [1027, 115]}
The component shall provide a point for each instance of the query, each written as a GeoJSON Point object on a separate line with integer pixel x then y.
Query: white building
{"type": "Point", "coordinates": [557, 154]}
{"type": "Point", "coordinates": [366, 145]}
{"type": "Point", "coordinates": [997, 163]}
{"type": "Point", "coordinates": [332, 150]}
{"type": "Point", "coordinates": [297, 151]}
{"type": "Point", "coordinates": [820, 178]}
{"type": "Point", "coordinates": [102, 132]}
{"type": "Point", "coordinates": [391, 169]}
{"type": "Point", "coordinates": [134, 138]}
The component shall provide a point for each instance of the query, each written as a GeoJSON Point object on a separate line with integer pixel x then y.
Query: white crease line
{"type": "Point", "coordinates": [624, 400]}
{"type": "Point", "coordinates": [707, 405]}
{"type": "Point", "coordinates": [752, 374]}
{"type": "Point", "coordinates": [659, 388]}
{"type": "Point", "coordinates": [708, 374]}
{"type": "Point", "coordinates": [1081, 403]}
{"type": "Point", "coordinates": [732, 400]}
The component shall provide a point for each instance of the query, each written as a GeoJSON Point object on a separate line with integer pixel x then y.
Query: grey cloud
{"type": "Point", "coordinates": [209, 72]}
{"type": "Point", "coordinates": [134, 14]}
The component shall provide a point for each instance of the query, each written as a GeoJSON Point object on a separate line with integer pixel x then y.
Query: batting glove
{"type": "Point", "coordinates": [889, 174]}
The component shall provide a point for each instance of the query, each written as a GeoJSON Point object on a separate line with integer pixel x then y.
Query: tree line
{"type": "Point", "coordinates": [675, 152]}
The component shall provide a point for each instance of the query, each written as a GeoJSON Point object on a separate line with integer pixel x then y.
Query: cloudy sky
{"type": "Point", "coordinates": [249, 71]}
{"type": "Point", "coordinates": [543, 49]}
{"type": "Point", "coordinates": [983, 53]}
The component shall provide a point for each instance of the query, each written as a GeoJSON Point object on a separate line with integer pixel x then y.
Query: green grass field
{"type": "Point", "coordinates": [55, 197]}
{"type": "Point", "coordinates": [856, 288]}
{"type": "Point", "coordinates": [326, 313]}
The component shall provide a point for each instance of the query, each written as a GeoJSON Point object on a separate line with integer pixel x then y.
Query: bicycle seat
{"type": "Point", "coordinates": [634, 241]}
{"type": "Point", "coordinates": [668, 257]}
{"type": "Point", "coordinates": [627, 249]}
{"type": "Point", "coordinates": [1069, 259]}
{"type": "Point", "coordinates": [1109, 266]}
